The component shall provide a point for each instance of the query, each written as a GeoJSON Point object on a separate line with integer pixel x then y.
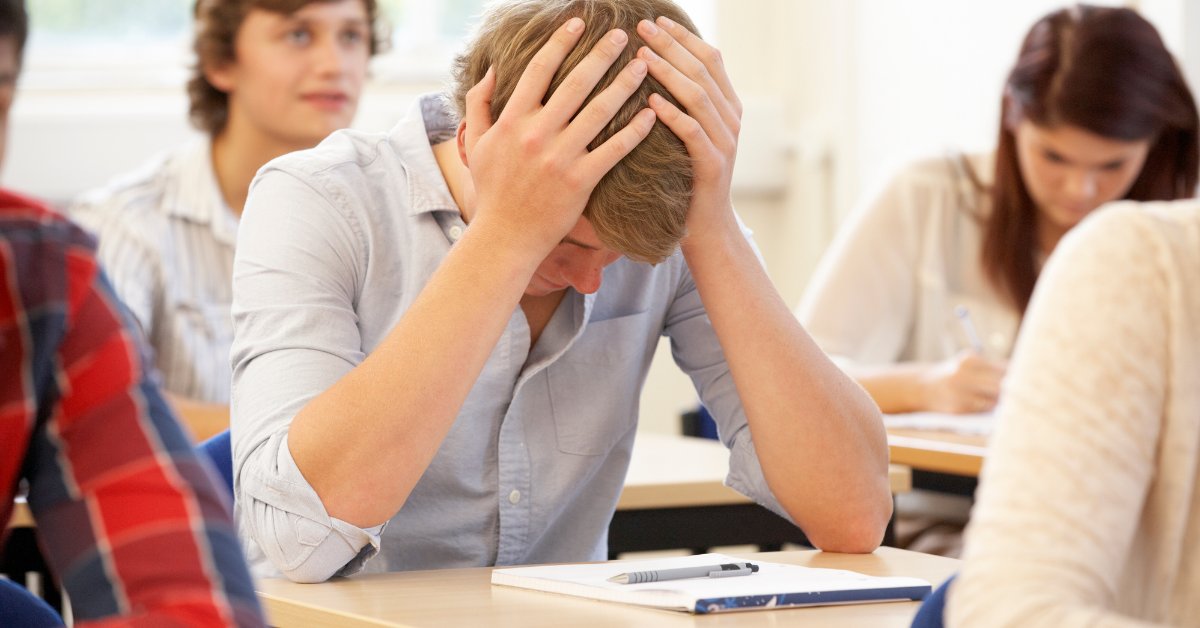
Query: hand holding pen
{"type": "Point", "coordinates": [968, 382]}
{"type": "Point", "coordinates": [725, 570]}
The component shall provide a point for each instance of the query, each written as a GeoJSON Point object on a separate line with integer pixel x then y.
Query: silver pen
{"type": "Point", "coordinates": [725, 570]}
{"type": "Point", "coordinates": [964, 317]}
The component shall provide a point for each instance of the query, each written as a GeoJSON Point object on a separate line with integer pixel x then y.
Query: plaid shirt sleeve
{"type": "Point", "coordinates": [131, 518]}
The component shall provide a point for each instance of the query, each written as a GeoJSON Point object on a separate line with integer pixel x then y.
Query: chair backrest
{"type": "Point", "coordinates": [19, 607]}
{"type": "Point", "coordinates": [219, 450]}
{"type": "Point", "coordinates": [933, 609]}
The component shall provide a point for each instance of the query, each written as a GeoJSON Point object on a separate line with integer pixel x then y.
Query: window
{"type": "Point", "coordinates": [129, 44]}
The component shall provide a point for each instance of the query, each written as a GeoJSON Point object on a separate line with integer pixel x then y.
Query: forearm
{"type": "Point", "coordinates": [894, 387]}
{"type": "Point", "coordinates": [819, 437]}
{"type": "Point", "coordinates": [380, 425]}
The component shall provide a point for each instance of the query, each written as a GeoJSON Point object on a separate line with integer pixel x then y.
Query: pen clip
{"type": "Point", "coordinates": [726, 573]}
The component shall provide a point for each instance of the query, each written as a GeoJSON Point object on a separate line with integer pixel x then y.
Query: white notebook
{"type": "Point", "coordinates": [775, 585]}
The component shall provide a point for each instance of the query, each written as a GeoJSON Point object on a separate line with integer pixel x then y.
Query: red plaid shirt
{"type": "Point", "coordinates": [130, 517]}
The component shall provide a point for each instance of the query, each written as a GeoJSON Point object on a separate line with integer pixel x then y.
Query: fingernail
{"type": "Point", "coordinates": [618, 37]}
{"type": "Point", "coordinates": [666, 21]}
{"type": "Point", "coordinates": [638, 66]}
{"type": "Point", "coordinates": [649, 27]}
{"type": "Point", "coordinates": [648, 53]}
{"type": "Point", "coordinates": [574, 25]}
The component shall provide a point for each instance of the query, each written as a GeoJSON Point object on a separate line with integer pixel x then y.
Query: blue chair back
{"type": "Point", "coordinates": [219, 450]}
{"type": "Point", "coordinates": [19, 607]}
{"type": "Point", "coordinates": [933, 609]}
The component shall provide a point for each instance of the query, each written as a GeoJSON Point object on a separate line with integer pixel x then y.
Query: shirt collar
{"type": "Point", "coordinates": [191, 192]}
{"type": "Point", "coordinates": [429, 121]}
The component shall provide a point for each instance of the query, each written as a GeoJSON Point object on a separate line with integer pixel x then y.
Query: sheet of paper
{"type": "Point", "coordinates": [970, 424]}
{"type": "Point", "coordinates": [591, 580]}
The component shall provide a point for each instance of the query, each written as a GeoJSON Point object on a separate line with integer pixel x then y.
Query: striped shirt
{"type": "Point", "coordinates": [167, 240]}
{"type": "Point", "coordinates": [131, 518]}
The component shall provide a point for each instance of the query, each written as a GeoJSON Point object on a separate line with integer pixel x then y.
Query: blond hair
{"type": "Point", "coordinates": [640, 207]}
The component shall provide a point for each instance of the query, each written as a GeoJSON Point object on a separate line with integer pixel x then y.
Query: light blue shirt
{"type": "Point", "coordinates": [335, 245]}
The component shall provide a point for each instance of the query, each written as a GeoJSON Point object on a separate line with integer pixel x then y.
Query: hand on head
{"type": "Point", "coordinates": [694, 73]}
{"type": "Point", "coordinates": [531, 168]}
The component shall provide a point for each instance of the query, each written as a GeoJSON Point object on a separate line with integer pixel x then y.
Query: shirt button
{"type": "Point", "coordinates": [455, 233]}
{"type": "Point", "coordinates": [514, 497]}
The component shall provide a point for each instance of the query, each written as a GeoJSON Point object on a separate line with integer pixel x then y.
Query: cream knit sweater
{"type": "Point", "coordinates": [1088, 512]}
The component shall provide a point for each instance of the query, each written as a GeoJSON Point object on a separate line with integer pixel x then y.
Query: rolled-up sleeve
{"type": "Point", "coordinates": [696, 350]}
{"type": "Point", "coordinates": [296, 277]}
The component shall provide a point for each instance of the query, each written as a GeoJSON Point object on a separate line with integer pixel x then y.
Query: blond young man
{"type": "Point", "coordinates": [423, 394]}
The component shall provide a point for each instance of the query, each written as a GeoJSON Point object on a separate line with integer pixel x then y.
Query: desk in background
{"type": "Point", "coordinates": [675, 497]}
{"type": "Point", "coordinates": [940, 461]}
{"type": "Point", "coordinates": [21, 558]}
{"type": "Point", "coordinates": [465, 597]}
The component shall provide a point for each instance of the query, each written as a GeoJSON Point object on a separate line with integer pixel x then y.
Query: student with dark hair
{"type": "Point", "coordinates": [271, 77]}
{"type": "Point", "coordinates": [441, 332]}
{"type": "Point", "coordinates": [1095, 109]}
{"type": "Point", "coordinates": [131, 519]}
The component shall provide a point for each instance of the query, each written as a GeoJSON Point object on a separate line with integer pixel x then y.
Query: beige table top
{"type": "Point", "coordinates": [682, 471]}
{"type": "Point", "coordinates": [943, 452]}
{"type": "Point", "coordinates": [21, 518]}
{"type": "Point", "coordinates": [465, 597]}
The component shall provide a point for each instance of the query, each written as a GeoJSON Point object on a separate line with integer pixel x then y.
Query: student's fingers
{"type": "Point", "coordinates": [693, 97]}
{"type": "Point", "coordinates": [535, 79]}
{"type": "Point", "coordinates": [599, 161]}
{"type": "Point", "coordinates": [707, 54]}
{"type": "Point", "coordinates": [582, 79]}
{"type": "Point", "coordinates": [600, 111]}
{"type": "Point", "coordinates": [683, 61]}
{"type": "Point", "coordinates": [479, 107]}
{"type": "Point", "coordinates": [686, 128]}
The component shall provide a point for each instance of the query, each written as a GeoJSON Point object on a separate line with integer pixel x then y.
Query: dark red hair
{"type": "Point", "coordinates": [1104, 70]}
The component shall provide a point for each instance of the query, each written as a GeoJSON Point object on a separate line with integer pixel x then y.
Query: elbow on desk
{"type": "Point", "coordinates": [852, 533]}
{"type": "Point", "coordinates": [862, 541]}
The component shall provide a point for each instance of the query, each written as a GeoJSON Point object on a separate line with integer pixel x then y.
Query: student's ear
{"type": "Point", "coordinates": [220, 76]}
{"type": "Point", "coordinates": [461, 137]}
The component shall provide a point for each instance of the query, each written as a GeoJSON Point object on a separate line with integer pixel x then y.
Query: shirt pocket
{"type": "Point", "coordinates": [596, 385]}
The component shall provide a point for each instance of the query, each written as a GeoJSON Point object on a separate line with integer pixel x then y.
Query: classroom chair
{"type": "Point", "coordinates": [932, 611]}
{"type": "Point", "coordinates": [19, 607]}
{"type": "Point", "coordinates": [699, 423]}
{"type": "Point", "coordinates": [219, 450]}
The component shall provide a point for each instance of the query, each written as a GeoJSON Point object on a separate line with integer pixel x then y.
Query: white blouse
{"type": "Point", "coordinates": [887, 288]}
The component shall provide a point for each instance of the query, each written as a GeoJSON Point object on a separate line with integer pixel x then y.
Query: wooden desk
{"type": "Point", "coordinates": [675, 498]}
{"type": "Point", "coordinates": [21, 517]}
{"type": "Point", "coordinates": [465, 597]}
{"type": "Point", "coordinates": [676, 471]}
{"type": "Point", "coordinates": [941, 452]}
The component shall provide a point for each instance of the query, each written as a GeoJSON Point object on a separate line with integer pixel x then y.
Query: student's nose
{"type": "Point", "coordinates": [1081, 184]}
{"type": "Point", "coordinates": [586, 278]}
{"type": "Point", "coordinates": [330, 57]}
